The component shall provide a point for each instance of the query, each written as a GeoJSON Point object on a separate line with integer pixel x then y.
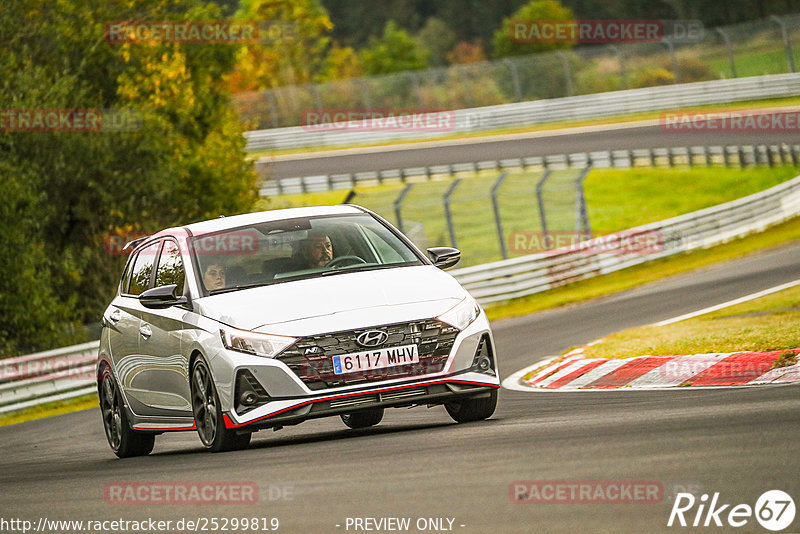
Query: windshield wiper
{"type": "Point", "coordinates": [237, 288]}
{"type": "Point", "coordinates": [371, 267]}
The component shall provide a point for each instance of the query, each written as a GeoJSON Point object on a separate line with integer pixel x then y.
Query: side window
{"type": "Point", "coordinates": [143, 268]}
{"type": "Point", "coordinates": [170, 266]}
{"type": "Point", "coordinates": [126, 276]}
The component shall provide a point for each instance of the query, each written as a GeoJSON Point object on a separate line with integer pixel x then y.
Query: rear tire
{"type": "Point", "coordinates": [364, 418]}
{"type": "Point", "coordinates": [208, 413]}
{"type": "Point", "coordinates": [468, 410]}
{"type": "Point", "coordinates": [124, 440]}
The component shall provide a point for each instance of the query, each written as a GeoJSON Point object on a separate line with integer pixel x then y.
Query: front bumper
{"type": "Point", "coordinates": [285, 399]}
{"type": "Point", "coordinates": [418, 392]}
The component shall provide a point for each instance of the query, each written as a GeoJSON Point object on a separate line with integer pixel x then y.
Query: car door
{"type": "Point", "coordinates": [124, 318]}
{"type": "Point", "coordinates": [164, 380]}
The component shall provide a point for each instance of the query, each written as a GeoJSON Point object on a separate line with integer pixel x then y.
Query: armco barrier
{"type": "Point", "coordinates": [47, 376]}
{"type": "Point", "coordinates": [545, 111]}
{"type": "Point", "coordinates": [37, 378]}
{"type": "Point", "coordinates": [526, 275]}
{"type": "Point", "coordinates": [728, 156]}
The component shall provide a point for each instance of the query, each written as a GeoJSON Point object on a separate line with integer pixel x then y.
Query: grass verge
{"type": "Point", "coordinates": [649, 272]}
{"type": "Point", "coordinates": [764, 324]}
{"type": "Point", "coordinates": [618, 199]}
{"type": "Point", "coordinates": [51, 408]}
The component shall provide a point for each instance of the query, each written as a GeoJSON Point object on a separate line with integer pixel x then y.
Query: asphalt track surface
{"type": "Point", "coordinates": [419, 464]}
{"type": "Point", "coordinates": [469, 150]}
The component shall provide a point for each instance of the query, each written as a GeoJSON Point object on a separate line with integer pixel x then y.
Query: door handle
{"type": "Point", "coordinates": [145, 331]}
{"type": "Point", "coordinates": [114, 316]}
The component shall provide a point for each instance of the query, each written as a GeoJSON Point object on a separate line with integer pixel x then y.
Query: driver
{"type": "Point", "coordinates": [315, 251]}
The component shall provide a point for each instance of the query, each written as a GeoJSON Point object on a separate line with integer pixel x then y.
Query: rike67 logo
{"type": "Point", "coordinates": [774, 510]}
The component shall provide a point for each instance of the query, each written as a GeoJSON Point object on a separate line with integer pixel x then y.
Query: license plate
{"type": "Point", "coordinates": [375, 359]}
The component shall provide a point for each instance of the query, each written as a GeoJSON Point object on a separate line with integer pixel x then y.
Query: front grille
{"type": "Point", "coordinates": [310, 358]}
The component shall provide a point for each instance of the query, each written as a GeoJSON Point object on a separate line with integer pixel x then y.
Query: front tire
{"type": "Point", "coordinates": [208, 413]}
{"type": "Point", "coordinates": [364, 418]}
{"type": "Point", "coordinates": [124, 440]}
{"type": "Point", "coordinates": [468, 410]}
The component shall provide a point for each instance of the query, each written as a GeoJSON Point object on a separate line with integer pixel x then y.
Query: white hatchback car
{"type": "Point", "coordinates": [268, 319]}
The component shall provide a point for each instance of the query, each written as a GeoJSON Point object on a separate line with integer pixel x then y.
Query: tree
{"type": "Point", "coordinates": [395, 51]}
{"type": "Point", "coordinates": [182, 159]}
{"type": "Point", "coordinates": [295, 50]}
{"type": "Point", "coordinates": [537, 10]}
{"type": "Point", "coordinates": [438, 39]}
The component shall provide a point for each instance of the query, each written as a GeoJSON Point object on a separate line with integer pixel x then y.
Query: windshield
{"type": "Point", "coordinates": [283, 251]}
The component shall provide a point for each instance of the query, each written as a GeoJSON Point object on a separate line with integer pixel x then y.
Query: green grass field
{"type": "Point", "coordinates": [617, 199]}
{"type": "Point", "coordinates": [767, 323]}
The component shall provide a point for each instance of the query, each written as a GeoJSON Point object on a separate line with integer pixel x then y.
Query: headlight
{"type": "Point", "coordinates": [462, 314]}
{"type": "Point", "coordinates": [266, 345]}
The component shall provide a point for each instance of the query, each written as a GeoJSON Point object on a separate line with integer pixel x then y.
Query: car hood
{"type": "Point", "coordinates": [338, 302]}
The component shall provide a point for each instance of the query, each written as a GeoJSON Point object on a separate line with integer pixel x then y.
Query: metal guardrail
{"type": "Point", "coordinates": [544, 111]}
{"type": "Point", "coordinates": [526, 275]}
{"type": "Point", "coordinates": [48, 376]}
{"type": "Point", "coordinates": [740, 156]}
{"type": "Point", "coordinates": [68, 372]}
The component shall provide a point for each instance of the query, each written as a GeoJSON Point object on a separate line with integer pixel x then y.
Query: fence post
{"type": "Point", "coordinates": [540, 202]}
{"type": "Point", "coordinates": [786, 42]}
{"type": "Point", "coordinates": [726, 157]}
{"type": "Point", "coordinates": [273, 108]}
{"type": "Point", "coordinates": [496, 208]}
{"type": "Point", "coordinates": [515, 79]}
{"type": "Point", "coordinates": [707, 154]}
{"type": "Point", "coordinates": [448, 215]}
{"type": "Point", "coordinates": [415, 81]}
{"type": "Point", "coordinates": [729, 50]}
{"type": "Point", "coordinates": [741, 157]}
{"type": "Point", "coordinates": [582, 225]}
{"type": "Point", "coordinates": [350, 196]}
{"type": "Point", "coordinates": [365, 93]}
{"type": "Point", "coordinates": [462, 73]}
{"type": "Point", "coordinates": [623, 74]}
{"type": "Point", "coordinates": [673, 59]}
{"type": "Point", "coordinates": [689, 157]}
{"type": "Point", "coordinates": [398, 205]}
{"type": "Point", "coordinates": [567, 72]}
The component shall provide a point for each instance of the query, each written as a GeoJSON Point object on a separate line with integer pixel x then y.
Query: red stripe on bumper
{"type": "Point", "coordinates": [736, 369]}
{"type": "Point", "coordinates": [230, 424]}
{"type": "Point", "coordinates": [628, 372]}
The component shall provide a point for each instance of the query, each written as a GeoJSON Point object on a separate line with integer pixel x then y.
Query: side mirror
{"type": "Point", "coordinates": [444, 257]}
{"type": "Point", "coordinates": [161, 297]}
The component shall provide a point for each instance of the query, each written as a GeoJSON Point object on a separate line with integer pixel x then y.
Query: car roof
{"type": "Point", "coordinates": [236, 221]}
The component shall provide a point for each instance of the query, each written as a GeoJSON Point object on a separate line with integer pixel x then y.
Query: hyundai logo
{"type": "Point", "coordinates": [372, 338]}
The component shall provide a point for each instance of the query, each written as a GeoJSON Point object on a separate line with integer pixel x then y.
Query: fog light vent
{"type": "Point", "coordinates": [249, 393]}
{"type": "Point", "coordinates": [484, 358]}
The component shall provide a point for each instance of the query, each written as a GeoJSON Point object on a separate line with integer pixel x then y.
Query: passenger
{"type": "Point", "coordinates": [214, 276]}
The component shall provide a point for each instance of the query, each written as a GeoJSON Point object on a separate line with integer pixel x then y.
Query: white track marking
{"type": "Point", "coordinates": [729, 303]}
